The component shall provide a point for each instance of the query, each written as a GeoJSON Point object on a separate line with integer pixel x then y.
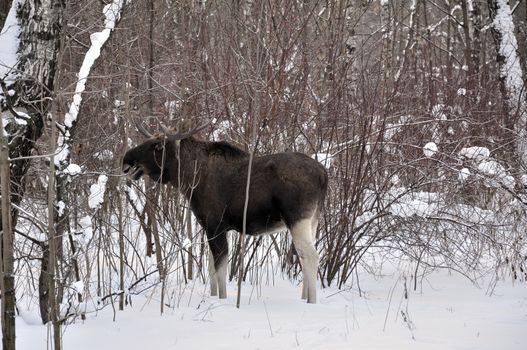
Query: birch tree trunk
{"type": "Point", "coordinates": [33, 83]}
{"type": "Point", "coordinates": [511, 77]}
{"type": "Point", "coordinates": [31, 86]}
{"type": "Point", "coordinates": [112, 13]}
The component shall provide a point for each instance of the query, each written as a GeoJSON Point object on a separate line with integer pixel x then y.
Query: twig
{"type": "Point", "coordinates": [246, 204]}
{"type": "Point", "coordinates": [9, 106]}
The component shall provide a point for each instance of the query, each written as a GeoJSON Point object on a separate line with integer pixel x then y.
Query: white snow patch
{"type": "Point", "coordinates": [395, 180]}
{"type": "Point", "coordinates": [85, 225]}
{"type": "Point", "coordinates": [97, 192]}
{"type": "Point", "coordinates": [464, 174]}
{"type": "Point", "coordinates": [498, 174]}
{"type": "Point", "coordinates": [9, 44]}
{"type": "Point", "coordinates": [73, 169]}
{"type": "Point", "coordinates": [430, 149]}
{"type": "Point", "coordinates": [461, 91]}
{"type": "Point", "coordinates": [23, 120]}
{"type": "Point", "coordinates": [60, 208]}
{"type": "Point", "coordinates": [413, 207]}
{"type": "Point", "coordinates": [323, 158]}
{"type": "Point", "coordinates": [104, 155]}
{"type": "Point", "coordinates": [475, 153]}
{"type": "Point", "coordinates": [438, 112]}
{"type": "Point", "coordinates": [221, 129]}
{"type": "Point", "coordinates": [78, 286]}
{"type": "Point", "coordinates": [29, 317]}
{"type": "Point", "coordinates": [118, 103]}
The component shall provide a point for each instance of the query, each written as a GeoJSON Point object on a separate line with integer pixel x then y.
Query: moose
{"type": "Point", "coordinates": [286, 190]}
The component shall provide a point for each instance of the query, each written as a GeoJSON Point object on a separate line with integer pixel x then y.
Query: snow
{"type": "Point", "coordinates": [430, 149]}
{"type": "Point", "coordinates": [493, 173]}
{"type": "Point", "coordinates": [9, 44]}
{"type": "Point", "coordinates": [97, 192]}
{"type": "Point", "coordinates": [445, 312]}
{"type": "Point", "coordinates": [413, 207]}
{"type": "Point", "coordinates": [498, 174]}
{"type": "Point", "coordinates": [118, 103]}
{"type": "Point", "coordinates": [461, 91]}
{"type": "Point", "coordinates": [73, 169]}
{"type": "Point", "coordinates": [78, 286]}
{"type": "Point", "coordinates": [438, 112]}
{"type": "Point", "coordinates": [464, 174]}
{"type": "Point", "coordinates": [60, 208]}
{"type": "Point", "coordinates": [476, 153]}
{"type": "Point", "coordinates": [112, 13]}
{"type": "Point", "coordinates": [221, 128]}
{"type": "Point", "coordinates": [104, 155]}
{"type": "Point", "coordinates": [186, 243]}
{"type": "Point", "coordinates": [323, 158]}
{"type": "Point", "coordinates": [85, 227]}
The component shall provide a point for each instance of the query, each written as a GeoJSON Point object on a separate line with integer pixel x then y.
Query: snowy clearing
{"type": "Point", "coordinates": [446, 312]}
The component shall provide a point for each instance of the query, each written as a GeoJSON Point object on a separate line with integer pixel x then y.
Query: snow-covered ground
{"type": "Point", "coordinates": [446, 312]}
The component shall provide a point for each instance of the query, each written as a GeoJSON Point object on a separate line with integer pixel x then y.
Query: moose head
{"type": "Point", "coordinates": [156, 157]}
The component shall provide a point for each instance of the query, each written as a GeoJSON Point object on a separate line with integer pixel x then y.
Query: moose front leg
{"type": "Point", "coordinates": [218, 264]}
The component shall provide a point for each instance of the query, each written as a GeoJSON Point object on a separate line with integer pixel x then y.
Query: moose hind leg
{"type": "Point", "coordinates": [219, 250]}
{"type": "Point", "coordinates": [303, 241]}
{"type": "Point", "coordinates": [212, 276]}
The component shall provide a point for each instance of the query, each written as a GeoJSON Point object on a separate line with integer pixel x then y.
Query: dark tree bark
{"type": "Point", "coordinates": [4, 10]}
{"type": "Point", "coordinates": [38, 49]}
{"type": "Point", "coordinates": [7, 279]}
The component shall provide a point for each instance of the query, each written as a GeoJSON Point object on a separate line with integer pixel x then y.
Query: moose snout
{"type": "Point", "coordinates": [126, 168]}
{"type": "Point", "coordinates": [133, 171]}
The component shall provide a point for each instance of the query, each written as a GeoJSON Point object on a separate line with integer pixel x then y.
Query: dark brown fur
{"type": "Point", "coordinates": [284, 187]}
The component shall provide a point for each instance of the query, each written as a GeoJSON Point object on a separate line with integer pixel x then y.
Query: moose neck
{"type": "Point", "coordinates": [192, 165]}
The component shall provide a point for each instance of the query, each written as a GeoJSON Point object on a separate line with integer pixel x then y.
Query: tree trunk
{"type": "Point", "coordinates": [7, 279]}
{"type": "Point", "coordinates": [54, 255]}
{"type": "Point", "coordinates": [511, 77]}
{"type": "Point", "coordinates": [39, 42]}
{"type": "Point", "coordinates": [4, 10]}
{"type": "Point", "coordinates": [468, 47]}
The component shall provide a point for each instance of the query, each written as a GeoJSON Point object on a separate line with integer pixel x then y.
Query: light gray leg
{"type": "Point", "coordinates": [212, 276]}
{"type": "Point", "coordinates": [221, 277]}
{"type": "Point", "coordinates": [303, 241]}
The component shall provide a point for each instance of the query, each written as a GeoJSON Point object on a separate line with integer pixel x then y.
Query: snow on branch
{"type": "Point", "coordinates": [9, 44]}
{"type": "Point", "coordinates": [112, 14]}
